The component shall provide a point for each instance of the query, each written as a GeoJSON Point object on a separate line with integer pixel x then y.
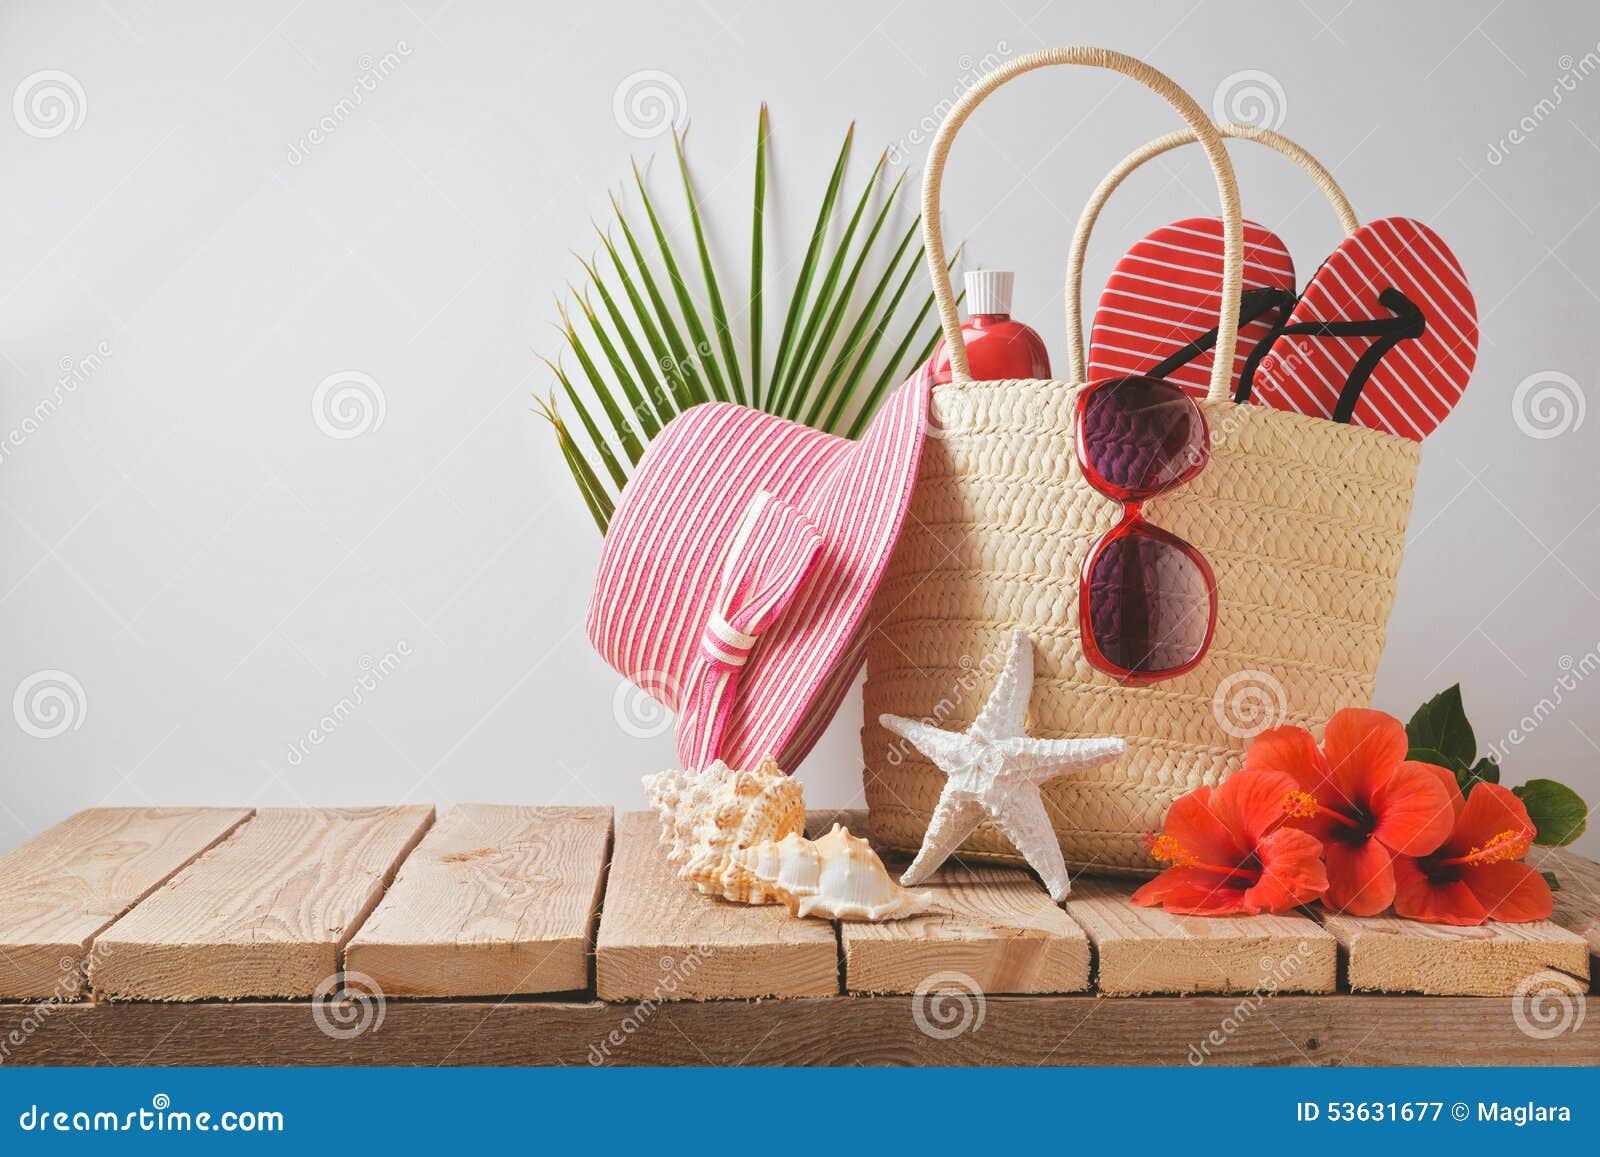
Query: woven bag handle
{"type": "Point", "coordinates": [1314, 168]}
{"type": "Point", "coordinates": [1204, 132]}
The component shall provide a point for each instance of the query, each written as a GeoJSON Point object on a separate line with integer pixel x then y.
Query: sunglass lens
{"type": "Point", "coordinates": [1149, 604]}
{"type": "Point", "coordinates": [1142, 435]}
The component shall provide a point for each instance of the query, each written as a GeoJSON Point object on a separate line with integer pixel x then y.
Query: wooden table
{"type": "Point", "coordinates": [518, 935]}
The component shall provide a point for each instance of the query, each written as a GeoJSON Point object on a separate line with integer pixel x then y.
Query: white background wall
{"type": "Point", "coordinates": [182, 538]}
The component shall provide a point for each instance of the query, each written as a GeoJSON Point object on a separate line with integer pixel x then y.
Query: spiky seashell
{"type": "Point", "coordinates": [708, 816]}
{"type": "Point", "coordinates": [836, 877]}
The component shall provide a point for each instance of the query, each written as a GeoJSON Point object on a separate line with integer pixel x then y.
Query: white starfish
{"type": "Point", "coordinates": [994, 771]}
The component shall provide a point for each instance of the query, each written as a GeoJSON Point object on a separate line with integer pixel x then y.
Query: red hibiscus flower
{"type": "Point", "coordinates": [1477, 874]}
{"type": "Point", "coordinates": [1231, 853]}
{"type": "Point", "coordinates": [1362, 798]}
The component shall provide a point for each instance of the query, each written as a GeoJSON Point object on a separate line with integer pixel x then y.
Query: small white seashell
{"type": "Point", "coordinates": [836, 877]}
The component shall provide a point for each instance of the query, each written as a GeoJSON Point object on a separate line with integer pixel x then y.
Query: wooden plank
{"type": "Point", "coordinates": [1013, 1030]}
{"type": "Point", "coordinates": [1388, 954]}
{"type": "Point", "coordinates": [1578, 897]}
{"type": "Point", "coordinates": [494, 900]}
{"type": "Point", "coordinates": [67, 884]}
{"type": "Point", "coordinates": [661, 940]}
{"type": "Point", "coordinates": [264, 913]}
{"type": "Point", "coordinates": [1143, 950]}
{"type": "Point", "coordinates": [997, 931]}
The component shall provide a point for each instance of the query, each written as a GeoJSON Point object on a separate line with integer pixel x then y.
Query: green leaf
{"type": "Point", "coordinates": [1550, 878]}
{"type": "Point", "coordinates": [602, 447]}
{"type": "Point", "coordinates": [893, 369]}
{"type": "Point", "coordinates": [680, 290]}
{"type": "Point", "coordinates": [594, 495]}
{"type": "Point", "coordinates": [757, 249]}
{"type": "Point", "coordinates": [1441, 723]}
{"type": "Point", "coordinates": [619, 422]}
{"type": "Point", "coordinates": [643, 411]}
{"type": "Point", "coordinates": [719, 314]}
{"type": "Point", "coordinates": [808, 266]}
{"type": "Point", "coordinates": [650, 378]}
{"type": "Point", "coordinates": [680, 363]}
{"type": "Point", "coordinates": [809, 379]}
{"type": "Point", "coordinates": [666, 364]}
{"type": "Point", "coordinates": [1486, 770]}
{"type": "Point", "coordinates": [1559, 814]}
{"type": "Point", "coordinates": [818, 308]}
{"type": "Point", "coordinates": [857, 332]}
{"type": "Point", "coordinates": [863, 359]}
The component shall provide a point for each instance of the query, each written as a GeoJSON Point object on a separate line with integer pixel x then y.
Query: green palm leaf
{"type": "Point", "coordinates": [808, 265]}
{"type": "Point", "coordinates": [691, 316]}
{"type": "Point", "coordinates": [680, 363]}
{"type": "Point", "coordinates": [719, 314]}
{"type": "Point", "coordinates": [757, 247]}
{"type": "Point", "coordinates": [645, 353]}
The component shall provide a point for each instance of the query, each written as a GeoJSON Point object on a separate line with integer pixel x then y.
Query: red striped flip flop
{"type": "Point", "coordinates": [1158, 314]}
{"type": "Point", "coordinates": [1385, 334]}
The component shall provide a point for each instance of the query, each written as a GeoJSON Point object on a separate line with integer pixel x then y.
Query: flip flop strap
{"type": "Point", "coordinates": [1406, 322]}
{"type": "Point", "coordinates": [1255, 303]}
{"type": "Point", "coordinates": [1320, 176]}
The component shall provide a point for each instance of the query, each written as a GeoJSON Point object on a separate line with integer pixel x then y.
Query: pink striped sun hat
{"type": "Point", "coordinates": [736, 573]}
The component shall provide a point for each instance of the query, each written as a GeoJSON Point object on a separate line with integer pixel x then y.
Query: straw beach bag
{"type": "Point", "coordinates": [1302, 519]}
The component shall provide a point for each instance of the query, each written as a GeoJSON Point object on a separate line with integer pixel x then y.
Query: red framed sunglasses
{"type": "Point", "coordinates": [1147, 600]}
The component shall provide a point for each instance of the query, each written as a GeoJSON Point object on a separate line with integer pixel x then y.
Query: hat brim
{"type": "Point", "coordinates": [805, 663]}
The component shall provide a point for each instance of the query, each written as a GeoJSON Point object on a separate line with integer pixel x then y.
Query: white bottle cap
{"type": "Point", "coordinates": [989, 291]}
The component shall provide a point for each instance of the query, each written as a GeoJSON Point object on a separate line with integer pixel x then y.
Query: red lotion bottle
{"type": "Point", "coordinates": [998, 348]}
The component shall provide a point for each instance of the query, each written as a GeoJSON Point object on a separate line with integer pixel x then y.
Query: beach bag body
{"type": "Point", "coordinates": [1302, 520]}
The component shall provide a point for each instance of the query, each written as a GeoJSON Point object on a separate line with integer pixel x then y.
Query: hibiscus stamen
{"type": "Point", "coordinates": [1300, 805]}
{"type": "Point", "coordinates": [1511, 844]}
{"type": "Point", "coordinates": [1166, 849]}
